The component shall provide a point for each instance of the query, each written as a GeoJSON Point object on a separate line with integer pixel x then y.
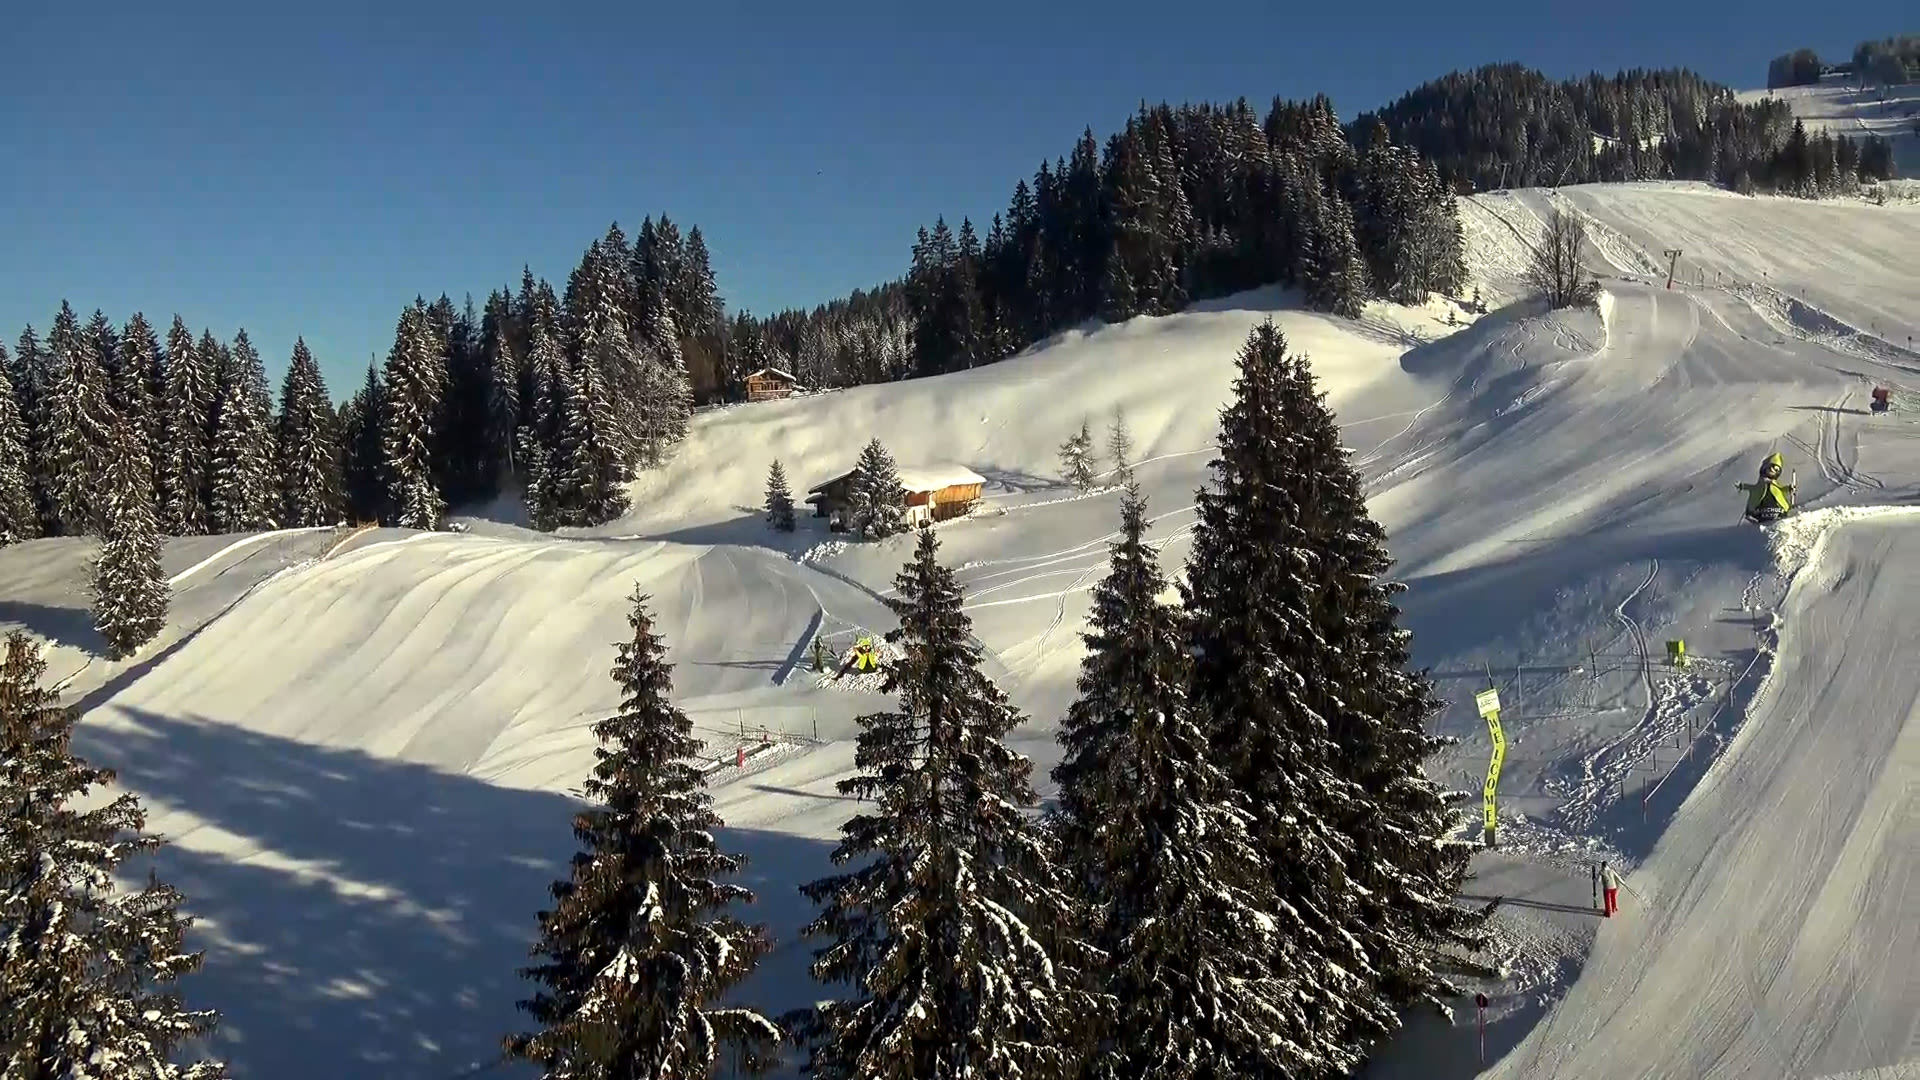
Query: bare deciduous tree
{"type": "Point", "coordinates": [1556, 273]}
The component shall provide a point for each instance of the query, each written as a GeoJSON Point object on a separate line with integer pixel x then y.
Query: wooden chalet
{"type": "Point", "coordinates": [934, 493]}
{"type": "Point", "coordinates": [769, 384]}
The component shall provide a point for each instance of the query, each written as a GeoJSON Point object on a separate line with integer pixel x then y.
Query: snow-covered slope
{"type": "Point", "coordinates": [362, 763]}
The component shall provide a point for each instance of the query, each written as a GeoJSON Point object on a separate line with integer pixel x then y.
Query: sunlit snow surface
{"type": "Point", "coordinates": [361, 750]}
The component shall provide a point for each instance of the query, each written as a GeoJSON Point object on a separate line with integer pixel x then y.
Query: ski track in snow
{"type": "Point", "coordinates": [411, 709]}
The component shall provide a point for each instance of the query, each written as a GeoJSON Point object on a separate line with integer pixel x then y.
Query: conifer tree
{"type": "Point", "coordinates": [33, 380]}
{"type": "Point", "coordinates": [19, 518]}
{"type": "Point", "coordinates": [1160, 846]}
{"type": "Point", "coordinates": [241, 490]}
{"type": "Point", "coordinates": [1076, 458]}
{"type": "Point", "coordinates": [593, 487]}
{"type": "Point", "coordinates": [182, 472]}
{"type": "Point", "coordinates": [640, 948]}
{"type": "Point", "coordinates": [410, 396]}
{"type": "Point", "coordinates": [503, 389]}
{"type": "Point", "coordinates": [131, 386]}
{"type": "Point", "coordinates": [878, 496]}
{"type": "Point", "coordinates": [89, 970]}
{"type": "Point", "coordinates": [540, 450]}
{"type": "Point", "coordinates": [362, 469]}
{"type": "Point", "coordinates": [1120, 449]}
{"type": "Point", "coordinates": [1261, 692]}
{"type": "Point", "coordinates": [309, 465]}
{"type": "Point", "coordinates": [79, 427]}
{"type": "Point", "coordinates": [940, 933]}
{"type": "Point", "coordinates": [130, 592]}
{"type": "Point", "coordinates": [779, 499]}
{"type": "Point", "coordinates": [1375, 709]}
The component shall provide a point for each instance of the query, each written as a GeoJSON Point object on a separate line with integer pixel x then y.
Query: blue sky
{"type": "Point", "coordinates": [310, 173]}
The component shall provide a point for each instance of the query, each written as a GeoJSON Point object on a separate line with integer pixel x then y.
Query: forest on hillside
{"type": "Point", "coordinates": [559, 398]}
{"type": "Point", "coordinates": [1887, 62]}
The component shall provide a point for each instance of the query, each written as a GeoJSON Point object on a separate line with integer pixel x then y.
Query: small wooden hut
{"type": "Point", "coordinates": [934, 493]}
{"type": "Point", "coordinates": [769, 384]}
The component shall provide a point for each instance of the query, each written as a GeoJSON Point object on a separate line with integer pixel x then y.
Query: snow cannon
{"type": "Point", "coordinates": [1768, 499]}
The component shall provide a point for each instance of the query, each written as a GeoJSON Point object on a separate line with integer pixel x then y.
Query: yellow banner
{"type": "Point", "coordinates": [1493, 769]}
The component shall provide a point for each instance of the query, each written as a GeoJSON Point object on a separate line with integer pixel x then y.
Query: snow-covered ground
{"type": "Point", "coordinates": [363, 762]}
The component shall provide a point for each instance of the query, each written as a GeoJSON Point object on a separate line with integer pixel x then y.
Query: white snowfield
{"type": "Point", "coordinates": [363, 764]}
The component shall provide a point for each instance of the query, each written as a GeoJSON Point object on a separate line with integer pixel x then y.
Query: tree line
{"type": "Point", "coordinates": [1246, 872]}
{"type": "Point", "coordinates": [1888, 61]}
{"type": "Point", "coordinates": [1508, 126]}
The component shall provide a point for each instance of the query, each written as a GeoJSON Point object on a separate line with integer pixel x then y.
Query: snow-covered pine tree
{"type": "Point", "coordinates": [1376, 708]}
{"type": "Point", "coordinates": [1120, 449]}
{"type": "Point", "coordinates": [1159, 844]}
{"type": "Point", "coordinates": [601, 333]}
{"type": "Point", "coordinates": [878, 496]}
{"type": "Point", "coordinates": [1076, 458]}
{"type": "Point", "coordinates": [594, 485]}
{"type": "Point", "coordinates": [779, 499]}
{"type": "Point", "coordinates": [79, 427]}
{"type": "Point", "coordinates": [19, 518]}
{"type": "Point", "coordinates": [309, 465]}
{"type": "Point", "coordinates": [186, 418]}
{"type": "Point", "coordinates": [130, 592]}
{"type": "Point", "coordinates": [1251, 589]}
{"type": "Point", "coordinates": [641, 950]}
{"type": "Point", "coordinates": [544, 459]}
{"type": "Point", "coordinates": [940, 933]}
{"type": "Point", "coordinates": [90, 970]}
{"type": "Point", "coordinates": [33, 380]}
{"type": "Point", "coordinates": [410, 397]}
{"type": "Point", "coordinates": [667, 402]}
{"type": "Point", "coordinates": [242, 490]}
{"type": "Point", "coordinates": [503, 364]}
{"type": "Point", "coordinates": [131, 387]}
{"type": "Point", "coordinates": [1329, 268]}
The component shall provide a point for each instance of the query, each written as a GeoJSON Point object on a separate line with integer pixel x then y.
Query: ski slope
{"type": "Point", "coordinates": [362, 757]}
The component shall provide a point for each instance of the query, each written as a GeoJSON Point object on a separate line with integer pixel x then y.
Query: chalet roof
{"type": "Point", "coordinates": [787, 375]}
{"type": "Point", "coordinates": [917, 478]}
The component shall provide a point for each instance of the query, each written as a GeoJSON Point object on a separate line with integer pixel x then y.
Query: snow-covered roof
{"type": "Point", "coordinates": [935, 477]}
{"type": "Point", "coordinates": [918, 478]}
{"type": "Point", "coordinates": [787, 375]}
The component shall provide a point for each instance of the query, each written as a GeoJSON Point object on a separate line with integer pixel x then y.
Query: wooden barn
{"type": "Point", "coordinates": [934, 493]}
{"type": "Point", "coordinates": [768, 384]}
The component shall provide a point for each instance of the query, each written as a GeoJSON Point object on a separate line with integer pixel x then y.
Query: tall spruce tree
{"type": "Point", "coordinates": [134, 370]}
{"type": "Point", "coordinates": [1262, 691]}
{"type": "Point", "coordinates": [543, 457]}
{"type": "Point", "coordinates": [243, 493]}
{"type": "Point", "coordinates": [79, 427]}
{"type": "Point", "coordinates": [941, 932]}
{"type": "Point", "coordinates": [305, 437]}
{"type": "Point", "coordinates": [593, 486]}
{"type": "Point", "coordinates": [19, 518]}
{"type": "Point", "coordinates": [879, 497]}
{"type": "Point", "coordinates": [186, 419]}
{"type": "Point", "coordinates": [409, 403]}
{"type": "Point", "coordinates": [1376, 708]}
{"type": "Point", "coordinates": [641, 948]}
{"type": "Point", "coordinates": [779, 499]}
{"type": "Point", "coordinates": [362, 470]}
{"type": "Point", "coordinates": [32, 373]}
{"type": "Point", "coordinates": [130, 591]}
{"type": "Point", "coordinates": [89, 970]}
{"type": "Point", "coordinates": [1161, 848]}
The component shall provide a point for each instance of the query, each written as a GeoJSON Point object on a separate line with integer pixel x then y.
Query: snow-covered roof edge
{"type": "Point", "coordinates": [787, 375]}
{"type": "Point", "coordinates": [935, 477]}
{"type": "Point", "coordinates": [919, 478]}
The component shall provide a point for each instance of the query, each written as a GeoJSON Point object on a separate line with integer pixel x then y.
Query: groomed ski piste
{"type": "Point", "coordinates": [361, 745]}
